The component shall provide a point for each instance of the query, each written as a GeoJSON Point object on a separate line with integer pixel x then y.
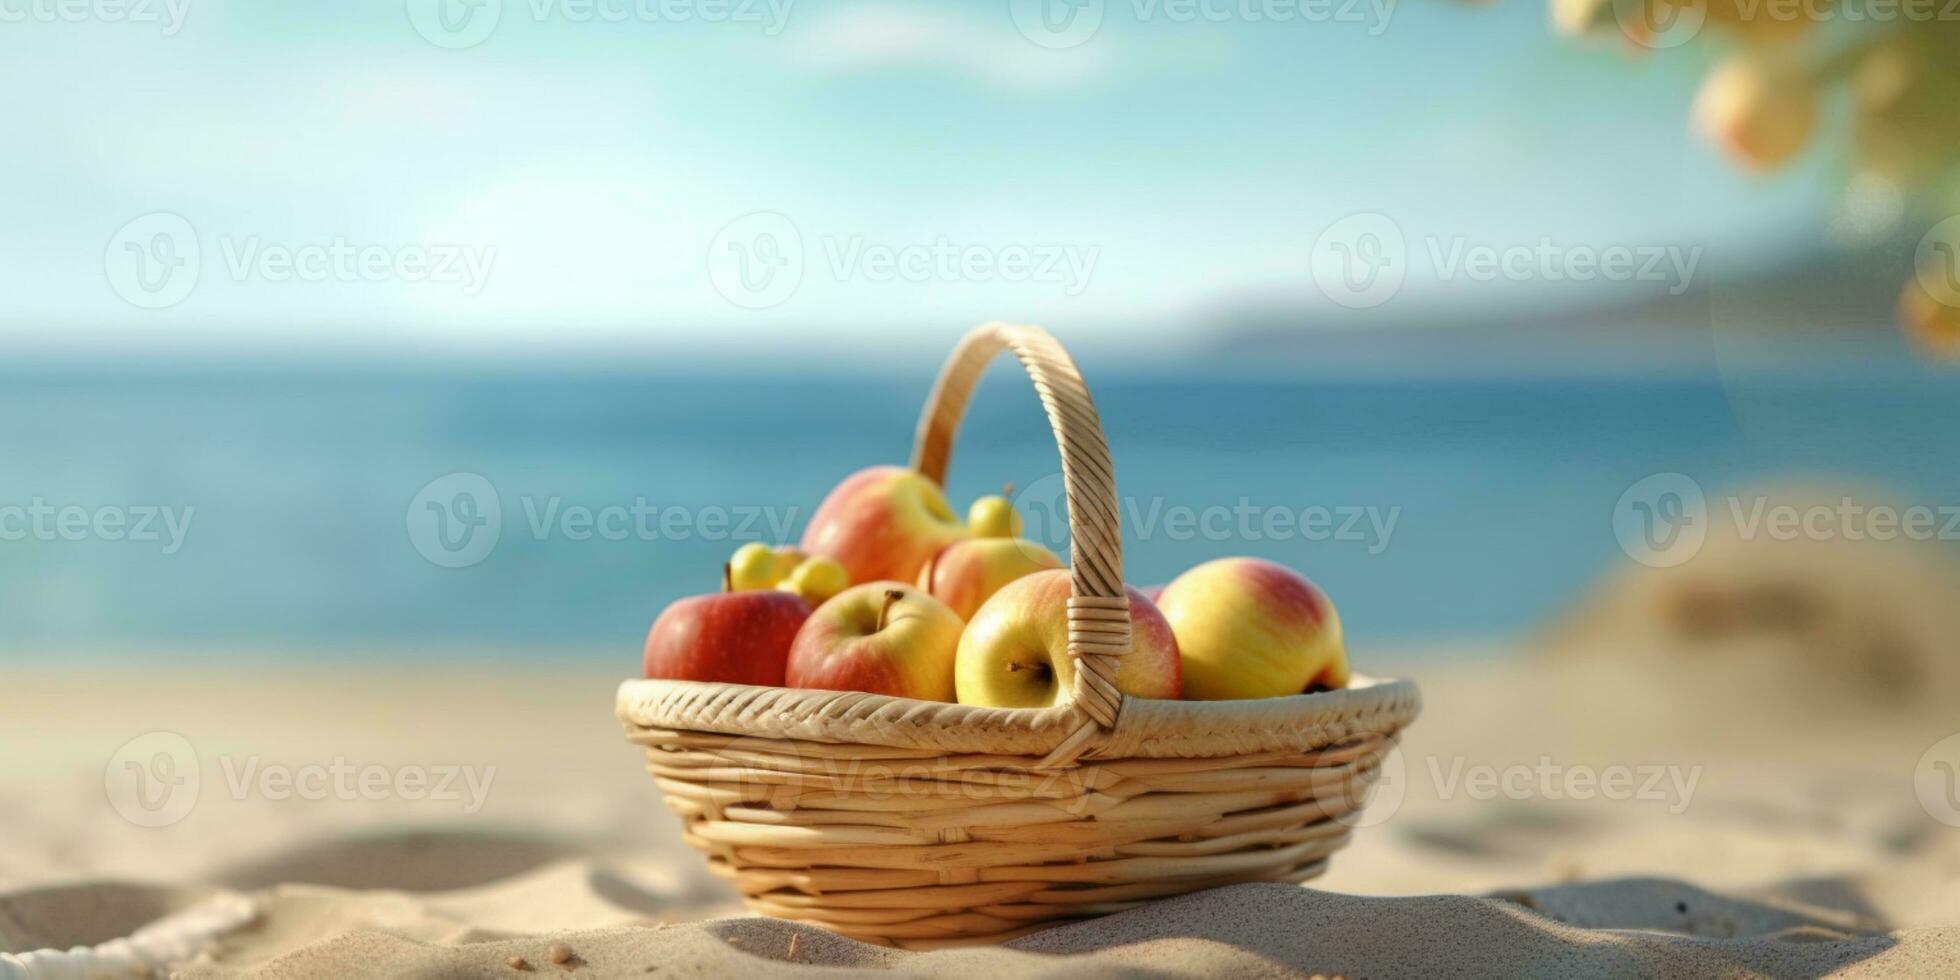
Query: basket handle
{"type": "Point", "coordinates": [1098, 609]}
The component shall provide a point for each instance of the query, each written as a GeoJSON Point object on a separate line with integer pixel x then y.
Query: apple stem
{"type": "Point", "coordinates": [728, 576]}
{"type": "Point", "coordinates": [891, 596]}
{"type": "Point", "coordinates": [1007, 489]}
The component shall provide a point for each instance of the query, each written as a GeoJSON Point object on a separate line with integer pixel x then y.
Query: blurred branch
{"type": "Point", "coordinates": [1896, 61]}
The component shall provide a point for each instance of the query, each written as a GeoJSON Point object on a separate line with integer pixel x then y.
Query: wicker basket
{"type": "Point", "coordinates": [920, 824]}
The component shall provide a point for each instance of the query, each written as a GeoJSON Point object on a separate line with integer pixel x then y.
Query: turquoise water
{"type": "Point", "coordinates": [304, 485]}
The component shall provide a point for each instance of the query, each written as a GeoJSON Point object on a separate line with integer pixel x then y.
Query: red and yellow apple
{"type": "Point", "coordinates": [1014, 654]}
{"type": "Point", "coordinates": [967, 573]}
{"type": "Point", "coordinates": [882, 637]}
{"type": "Point", "coordinates": [1250, 628]}
{"type": "Point", "coordinates": [731, 637]}
{"type": "Point", "coordinates": [883, 523]}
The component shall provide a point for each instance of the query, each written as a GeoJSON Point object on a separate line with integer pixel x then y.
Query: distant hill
{"type": "Point", "coordinates": [1822, 306]}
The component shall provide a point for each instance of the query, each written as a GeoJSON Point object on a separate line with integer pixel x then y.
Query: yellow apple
{"type": "Point", "coordinates": [966, 573]}
{"type": "Point", "coordinates": [816, 580]}
{"type": "Point", "coordinates": [1014, 654]}
{"type": "Point", "coordinates": [1760, 112]}
{"type": "Point", "coordinates": [881, 637]}
{"type": "Point", "coordinates": [787, 557]}
{"type": "Point", "coordinates": [995, 517]}
{"type": "Point", "coordinates": [883, 523]}
{"type": "Point", "coordinates": [753, 567]}
{"type": "Point", "coordinates": [1250, 628]}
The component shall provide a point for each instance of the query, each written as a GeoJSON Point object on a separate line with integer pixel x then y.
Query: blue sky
{"type": "Point", "coordinates": [1181, 163]}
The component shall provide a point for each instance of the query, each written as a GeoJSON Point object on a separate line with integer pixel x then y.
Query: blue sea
{"type": "Point", "coordinates": [297, 491]}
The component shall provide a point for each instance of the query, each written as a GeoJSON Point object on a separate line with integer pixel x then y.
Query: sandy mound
{"type": "Point", "coordinates": [1241, 931]}
{"type": "Point", "coordinates": [1829, 615]}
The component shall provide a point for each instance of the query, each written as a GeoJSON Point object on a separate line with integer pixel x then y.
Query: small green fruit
{"type": "Point", "coordinates": [994, 517]}
{"type": "Point", "coordinates": [816, 580]}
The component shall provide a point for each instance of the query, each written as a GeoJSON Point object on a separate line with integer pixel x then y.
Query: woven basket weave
{"type": "Point", "coordinates": [921, 824]}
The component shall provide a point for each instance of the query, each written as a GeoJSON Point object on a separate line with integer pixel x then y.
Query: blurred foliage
{"type": "Point", "coordinates": [1894, 65]}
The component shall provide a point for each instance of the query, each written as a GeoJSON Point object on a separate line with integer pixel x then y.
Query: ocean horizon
{"type": "Point", "coordinates": [290, 509]}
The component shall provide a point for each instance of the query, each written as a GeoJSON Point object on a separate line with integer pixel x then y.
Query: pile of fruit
{"type": "Point", "coordinates": [891, 593]}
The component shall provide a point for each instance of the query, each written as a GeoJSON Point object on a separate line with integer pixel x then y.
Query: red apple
{"type": "Point", "coordinates": [883, 523]}
{"type": "Point", "coordinates": [1014, 654]}
{"type": "Point", "coordinates": [966, 573]}
{"type": "Point", "coordinates": [731, 637]}
{"type": "Point", "coordinates": [881, 637]}
{"type": "Point", "coordinates": [1250, 628]}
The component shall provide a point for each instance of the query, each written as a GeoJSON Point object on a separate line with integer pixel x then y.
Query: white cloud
{"type": "Point", "coordinates": [880, 37]}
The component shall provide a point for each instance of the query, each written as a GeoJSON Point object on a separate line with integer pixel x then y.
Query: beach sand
{"type": "Point", "coordinates": [1800, 849]}
{"type": "Point", "coordinates": [1767, 822]}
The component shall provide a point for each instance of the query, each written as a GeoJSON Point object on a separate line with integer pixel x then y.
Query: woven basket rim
{"type": "Point", "coordinates": [1147, 728]}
